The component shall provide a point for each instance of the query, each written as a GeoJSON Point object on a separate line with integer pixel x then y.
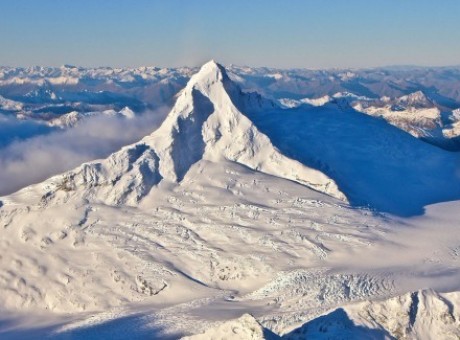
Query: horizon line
{"type": "Point", "coordinates": [332, 68]}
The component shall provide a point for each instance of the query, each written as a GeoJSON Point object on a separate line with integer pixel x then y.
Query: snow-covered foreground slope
{"type": "Point", "coordinates": [228, 209]}
{"type": "Point", "coordinates": [349, 283]}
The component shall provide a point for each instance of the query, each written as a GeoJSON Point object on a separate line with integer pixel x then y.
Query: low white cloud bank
{"type": "Point", "coordinates": [32, 160]}
{"type": "Point", "coordinates": [12, 130]}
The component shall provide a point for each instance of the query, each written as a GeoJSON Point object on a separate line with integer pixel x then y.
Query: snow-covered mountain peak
{"type": "Point", "coordinates": [206, 123]}
{"type": "Point", "coordinates": [417, 95]}
{"type": "Point", "coordinates": [211, 81]}
{"type": "Point", "coordinates": [209, 73]}
{"type": "Point", "coordinates": [10, 105]}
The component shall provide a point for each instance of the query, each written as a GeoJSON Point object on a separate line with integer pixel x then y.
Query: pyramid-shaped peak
{"type": "Point", "coordinates": [210, 73]}
{"type": "Point", "coordinates": [414, 96]}
{"type": "Point", "coordinates": [416, 99]}
{"type": "Point", "coordinates": [212, 65]}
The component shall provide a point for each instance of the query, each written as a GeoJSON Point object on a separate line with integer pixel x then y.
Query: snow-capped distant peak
{"type": "Point", "coordinates": [42, 94]}
{"type": "Point", "coordinates": [416, 96]}
{"type": "Point", "coordinates": [72, 118]}
{"type": "Point", "coordinates": [67, 120]}
{"type": "Point", "coordinates": [127, 112]}
{"type": "Point", "coordinates": [292, 103]}
{"type": "Point", "coordinates": [344, 94]}
{"type": "Point", "coordinates": [456, 114]}
{"type": "Point", "coordinates": [416, 99]}
{"type": "Point", "coordinates": [10, 105]}
{"type": "Point", "coordinates": [318, 101]}
{"type": "Point", "coordinates": [349, 95]}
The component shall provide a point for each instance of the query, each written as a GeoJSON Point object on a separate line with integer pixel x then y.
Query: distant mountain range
{"type": "Point", "coordinates": [421, 101]}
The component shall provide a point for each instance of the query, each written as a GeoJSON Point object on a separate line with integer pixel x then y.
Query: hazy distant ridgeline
{"type": "Point", "coordinates": [147, 86]}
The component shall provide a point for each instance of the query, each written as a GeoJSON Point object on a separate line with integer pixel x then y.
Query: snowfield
{"type": "Point", "coordinates": [242, 217]}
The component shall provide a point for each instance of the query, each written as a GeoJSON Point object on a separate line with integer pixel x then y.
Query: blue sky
{"type": "Point", "coordinates": [280, 33]}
